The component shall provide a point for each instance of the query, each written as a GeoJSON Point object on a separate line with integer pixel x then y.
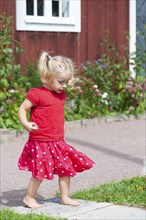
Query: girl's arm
{"type": "Point", "coordinates": [22, 114]}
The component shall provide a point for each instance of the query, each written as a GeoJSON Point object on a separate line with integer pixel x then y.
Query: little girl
{"type": "Point", "coordinates": [46, 153]}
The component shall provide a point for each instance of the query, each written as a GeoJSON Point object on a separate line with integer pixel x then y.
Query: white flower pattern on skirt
{"type": "Point", "coordinates": [46, 158]}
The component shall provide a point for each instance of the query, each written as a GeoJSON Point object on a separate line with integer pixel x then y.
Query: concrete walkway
{"type": "Point", "coordinates": [87, 210]}
{"type": "Point", "coordinates": [117, 147]}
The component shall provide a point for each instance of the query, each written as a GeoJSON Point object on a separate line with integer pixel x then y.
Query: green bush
{"type": "Point", "coordinates": [106, 87]}
{"type": "Point", "coordinates": [13, 85]}
{"type": "Point", "coordinates": [32, 74]}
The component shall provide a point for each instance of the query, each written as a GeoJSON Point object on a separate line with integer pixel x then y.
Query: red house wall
{"type": "Point", "coordinates": [97, 17]}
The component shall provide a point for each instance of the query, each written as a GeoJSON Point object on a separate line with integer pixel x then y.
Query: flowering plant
{"type": "Point", "coordinates": [106, 87]}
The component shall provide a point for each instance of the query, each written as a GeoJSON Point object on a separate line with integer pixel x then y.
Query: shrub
{"type": "Point", "coordinates": [106, 86]}
{"type": "Point", "coordinates": [13, 85]}
{"type": "Point", "coordinates": [32, 74]}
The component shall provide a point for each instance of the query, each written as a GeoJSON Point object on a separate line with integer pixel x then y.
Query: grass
{"type": "Point", "coordinates": [6, 214]}
{"type": "Point", "coordinates": [126, 192]}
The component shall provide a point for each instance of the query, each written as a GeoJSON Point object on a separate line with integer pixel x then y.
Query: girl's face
{"type": "Point", "coordinates": [59, 83]}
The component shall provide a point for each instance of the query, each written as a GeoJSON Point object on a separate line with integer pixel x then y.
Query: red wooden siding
{"type": "Point", "coordinates": [97, 17]}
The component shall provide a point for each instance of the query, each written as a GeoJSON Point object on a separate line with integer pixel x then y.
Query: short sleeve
{"type": "Point", "coordinates": [33, 96]}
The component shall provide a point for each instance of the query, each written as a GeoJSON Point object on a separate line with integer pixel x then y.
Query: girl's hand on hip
{"type": "Point", "coordinates": [31, 126]}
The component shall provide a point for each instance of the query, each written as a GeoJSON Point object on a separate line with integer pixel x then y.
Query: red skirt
{"type": "Point", "coordinates": [46, 158]}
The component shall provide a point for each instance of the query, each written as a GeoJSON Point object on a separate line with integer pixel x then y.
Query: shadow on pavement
{"type": "Point", "coordinates": [14, 198]}
{"type": "Point", "coordinates": [107, 151]}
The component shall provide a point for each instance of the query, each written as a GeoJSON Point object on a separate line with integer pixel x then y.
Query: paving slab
{"type": "Point", "coordinates": [86, 211]}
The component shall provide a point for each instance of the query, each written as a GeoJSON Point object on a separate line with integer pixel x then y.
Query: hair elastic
{"type": "Point", "coordinates": [49, 57]}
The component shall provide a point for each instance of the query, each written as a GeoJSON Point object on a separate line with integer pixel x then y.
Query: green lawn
{"type": "Point", "coordinates": [126, 192]}
{"type": "Point", "coordinates": [10, 215]}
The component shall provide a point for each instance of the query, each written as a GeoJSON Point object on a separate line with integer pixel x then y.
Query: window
{"type": "Point", "coordinates": [60, 8]}
{"type": "Point", "coordinates": [31, 4]}
{"type": "Point", "coordinates": [48, 15]}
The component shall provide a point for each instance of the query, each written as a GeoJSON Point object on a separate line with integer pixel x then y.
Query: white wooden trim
{"type": "Point", "coordinates": [132, 30]}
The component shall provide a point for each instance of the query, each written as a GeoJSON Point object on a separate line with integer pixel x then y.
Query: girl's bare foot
{"type": "Point", "coordinates": [31, 203]}
{"type": "Point", "coordinates": [69, 201]}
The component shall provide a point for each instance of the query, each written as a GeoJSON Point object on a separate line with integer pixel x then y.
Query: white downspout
{"type": "Point", "coordinates": [132, 31]}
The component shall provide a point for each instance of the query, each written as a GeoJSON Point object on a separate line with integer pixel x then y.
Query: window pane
{"type": "Point", "coordinates": [29, 7]}
{"type": "Point", "coordinates": [65, 8]}
{"type": "Point", "coordinates": [40, 7]}
{"type": "Point", "coordinates": [55, 8]}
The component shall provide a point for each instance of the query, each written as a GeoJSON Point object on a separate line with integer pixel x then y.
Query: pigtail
{"type": "Point", "coordinates": [43, 62]}
{"type": "Point", "coordinates": [43, 66]}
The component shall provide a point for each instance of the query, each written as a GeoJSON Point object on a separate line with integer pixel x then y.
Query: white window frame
{"type": "Point", "coordinates": [48, 22]}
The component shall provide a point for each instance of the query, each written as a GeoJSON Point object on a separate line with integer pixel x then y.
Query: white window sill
{"type": "Point", "coordinates": [55, 21]}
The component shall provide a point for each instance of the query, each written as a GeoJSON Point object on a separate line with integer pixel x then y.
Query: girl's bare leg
{"type": "Point", "coordinates": [64, 185]}
{"type": "Point", "coordinates": [29, 199]}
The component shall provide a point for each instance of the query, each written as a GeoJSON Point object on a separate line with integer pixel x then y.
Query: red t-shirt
{"type": "Point", "coordinates": [47, 113]}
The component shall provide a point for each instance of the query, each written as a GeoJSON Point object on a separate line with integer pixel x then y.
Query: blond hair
{"type": "Point", "coordinates": [49, 67]}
